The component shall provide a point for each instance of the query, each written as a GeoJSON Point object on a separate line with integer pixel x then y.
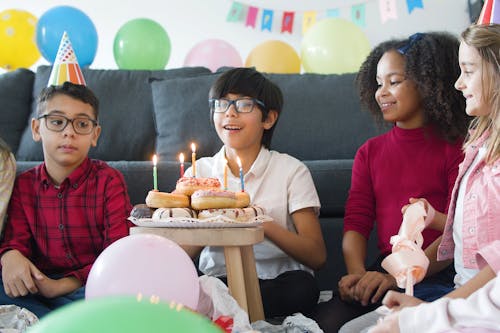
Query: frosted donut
{"type": "Point", "coordinates": [141, 211]}
{"type": "Point", "coordinates": [187, 185]}
{"type": "Point", "coordinates": [242, 199]}
{"type": "Point", "coordinates": [165, 213]}
{"type": "Point", "coordinates": [205, 199]}
{"type": "Point", "coordinates": [237, 214]}
{"type": "Point", "coordinates": [156, 199]}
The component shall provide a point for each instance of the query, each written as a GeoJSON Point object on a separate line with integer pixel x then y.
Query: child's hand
{"type": "Point", "coordinates": [396, 300]}
{"type": "Point", "coordinates": [346, 285]}
{"type": "Point", "coordinates": [372, 286]}
{"type": "Point", "coordinates": [18, 274]}
{"type": "Point", "coordinates": [428, 209]}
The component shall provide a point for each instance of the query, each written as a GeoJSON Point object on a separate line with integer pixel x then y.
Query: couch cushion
{"type": "Point", "coordinates": [126, 112]}
{"type": "Point", "coordinates": [323, 112]}
{"type": "Point", "coordinates": [182, 116]}
{"type": "Point", "coordinates": [15, 99]}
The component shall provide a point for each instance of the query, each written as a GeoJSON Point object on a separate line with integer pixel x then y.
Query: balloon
{"type": "Point", "coordinates": [17, 39]}
{"type": "Point", "coordinates": [213, 54]}
{"type": "Point", "coordinates": [141, 44]}
{"type": "Point", "coordinates": [81, 31]}
{"type": "Point", "coordinates": [147, 265]}
{"type": "Point", "coordinates": [122, 315]}
{"type": "Point", "coordinates": [274, 56]}
{"type": "Point", "coordinates": [334, 46]}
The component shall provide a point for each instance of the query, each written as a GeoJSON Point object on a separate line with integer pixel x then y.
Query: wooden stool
{"type": "Point", "coordinates": [238, 244]}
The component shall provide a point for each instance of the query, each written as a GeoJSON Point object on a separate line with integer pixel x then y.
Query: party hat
{"type": "Point", "coordinates": [490, 13]}
{"type": "Point", "coordinates": [65, 67]}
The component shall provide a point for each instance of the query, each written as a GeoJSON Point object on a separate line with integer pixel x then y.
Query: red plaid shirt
{"type": "Point", "coordinates": [63, 230]}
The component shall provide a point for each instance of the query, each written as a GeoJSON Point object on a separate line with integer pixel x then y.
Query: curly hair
{"type": "Point", "coordinates": [432, 63]}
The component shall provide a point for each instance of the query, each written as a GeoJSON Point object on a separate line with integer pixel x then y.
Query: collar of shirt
{"type": "Point", "coordinates": [258, 166]}
{"type": "Point", "coordinates": [75, 178]}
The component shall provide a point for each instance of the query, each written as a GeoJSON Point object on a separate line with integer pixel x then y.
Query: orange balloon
{"type": "Point", "coordinates": [274, 56]}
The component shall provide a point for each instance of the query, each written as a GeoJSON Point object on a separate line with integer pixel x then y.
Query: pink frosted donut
{"type": "Point", "coordinates": [236, 214]}
{"type": "Point", "coordinates": [205, 199]}
{"type": "Point", "coordinates": [187, 185]}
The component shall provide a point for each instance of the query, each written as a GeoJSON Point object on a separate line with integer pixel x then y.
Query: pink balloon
{"type": "Point", "coordinates": [145, 264]}
{"type": "Point", "coordinates": [213, 54]}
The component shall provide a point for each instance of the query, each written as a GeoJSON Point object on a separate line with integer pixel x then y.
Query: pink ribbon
{"type": "Point", "coordinates": [408, 262]}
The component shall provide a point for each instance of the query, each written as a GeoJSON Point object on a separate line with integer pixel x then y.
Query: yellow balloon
{"type": "Point", "coordinates": [334, 46]}
{"type": "Point", "coordinates": [274, 56]}
{"type": "Point", "coordinates": [17, 39]}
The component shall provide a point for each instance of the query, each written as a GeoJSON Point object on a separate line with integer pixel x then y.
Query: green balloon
{"type": "Point", "coordinates": [122, 315]}
{"type": "Point", "coordinates": [141, 44]}
{"type": "Point", "coordinates": [334, 46]}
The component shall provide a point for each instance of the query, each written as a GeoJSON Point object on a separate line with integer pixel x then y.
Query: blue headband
{"type": "Point", "coordinates": [412, 40]}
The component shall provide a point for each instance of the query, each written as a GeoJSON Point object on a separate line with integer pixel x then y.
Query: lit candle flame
{"type": "Point", "coordinates": [181, 157]}
{"type": "Point", "coordinates": [155, 159]}
{"type": "Point", "coordinates": [193, 147]}
{"type": "Point", "coordinates": [238, 161]}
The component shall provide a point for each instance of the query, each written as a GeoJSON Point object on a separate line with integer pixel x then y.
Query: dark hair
{"type": "Point", "coordinates": [432, 64]}
{"type": "Point", "coordinates": [249, 82]}
{"type": "Point", "coordinates": [76, 91]}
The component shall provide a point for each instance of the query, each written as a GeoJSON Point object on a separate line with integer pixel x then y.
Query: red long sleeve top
{"type": "Point", "coordinates": [63, 229]}
{"type": "Point", "coordinates": [391, 168]}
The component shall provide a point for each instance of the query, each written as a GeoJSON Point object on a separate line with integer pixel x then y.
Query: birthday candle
{"type": "Point", "coordinates": [181, 159]}
{"type": "Point", "coordinates": [241, 174]}
{"type": "Point", "coordinates": [155, 173]}
{"type": "Point", "coordinates": [225, 174]}
{"type": "Point", "coordinates": [193, 159]}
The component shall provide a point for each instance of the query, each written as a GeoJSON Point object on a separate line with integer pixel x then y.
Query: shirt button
{"type": "Point", "coordinates": [68, 255]}
{"type": "Point", "coordinates": [61, 226]}
{"type": "Point", "coordinates": [75, 185]}
{"type": "Point", "coordinates": [472, 230]}
{"type": "Point", "coordinates": [473, 196]}
{"type": "Point", "coordinates": [59, 195]}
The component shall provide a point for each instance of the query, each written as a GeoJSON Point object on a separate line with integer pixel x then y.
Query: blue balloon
{"type": "Point", "coordinates": [81, 32]}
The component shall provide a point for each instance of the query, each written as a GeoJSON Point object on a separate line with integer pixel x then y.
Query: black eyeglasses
{"type": "Point", "coordinates": [57, 123]}
{"type": "Point", "coordinates": [242, 105]}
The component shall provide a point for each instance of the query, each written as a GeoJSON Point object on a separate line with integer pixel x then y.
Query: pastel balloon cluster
{"type": "Point", "coordinates": [146, 266]}
{"type": "Point", "coordinates": [408, 262]}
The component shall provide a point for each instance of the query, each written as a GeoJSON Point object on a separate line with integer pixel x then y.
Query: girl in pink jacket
{"type": "Point", "coordinates": [471, 233]}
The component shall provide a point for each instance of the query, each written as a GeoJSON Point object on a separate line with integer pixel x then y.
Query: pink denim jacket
{"type": "Point", "coordinates": [481, 224]}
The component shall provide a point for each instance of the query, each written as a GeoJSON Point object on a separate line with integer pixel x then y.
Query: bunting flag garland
{"type": "Point", "coordinates": [308, 21]}
{"type": "Point", "coordinates": [263, 18]}
{"type": "Point", "coordinates": [332, 13]}
{"type": "Point", "coordinates": [236, 12]}
{"type": "Point", "coordinates": [388, 10]}
{"type": "Point", "coordinates": [412, 4]}
{"type": "Point", "coordinates": [267, 20]}
{"type": "Point", "coordinates": [358, 15]}
{"type": "Point", "coordinates": [287, 23]}
{"type": "Point", "coordinates": [251, 16]}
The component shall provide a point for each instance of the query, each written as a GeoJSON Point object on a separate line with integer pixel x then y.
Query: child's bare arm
{"type": "Point", "coordinates": [18, 274]}
{"type": "Point", "coordinates": [307, 245]}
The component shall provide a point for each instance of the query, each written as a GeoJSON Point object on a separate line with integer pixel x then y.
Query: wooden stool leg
{"type": "Point", "coordinates": [235, 277]}
{"type": "Point", "coordinates": [255, 307]}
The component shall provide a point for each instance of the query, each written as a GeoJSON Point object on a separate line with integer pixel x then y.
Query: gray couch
{"type": "Point", "coordinates": [143, 112]}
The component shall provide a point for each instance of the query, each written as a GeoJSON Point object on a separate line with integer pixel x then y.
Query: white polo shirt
{"type": "Point", "coordinates": [280, 184]}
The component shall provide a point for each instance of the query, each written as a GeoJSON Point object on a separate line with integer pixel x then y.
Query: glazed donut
{"type": "Point", "coordinates": [187, 185]}
{"type": "Point", "coordinates": [242, 199]}
{"type": "Point", "coordinates": [156, 199]}
{"type": "Point", "coordinates": [163, 213]}
{"type": "Point", "coordinates": [205, 199]}
{"type": "Point", "coordinates": [141, 211]}
{"type": "Point", "coordinates": [236, 214]}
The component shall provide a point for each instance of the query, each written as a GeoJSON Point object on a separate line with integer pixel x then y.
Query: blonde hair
{"type": "Point", "coordinates": [486, 39]}
{"type": "Point", "coordinates": [4, 150]}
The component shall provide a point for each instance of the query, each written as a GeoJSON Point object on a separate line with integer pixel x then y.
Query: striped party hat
{"type": "Point", "coordinates": [65, 67]}
{"type": "Point", "coordinates": [490, 13]}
